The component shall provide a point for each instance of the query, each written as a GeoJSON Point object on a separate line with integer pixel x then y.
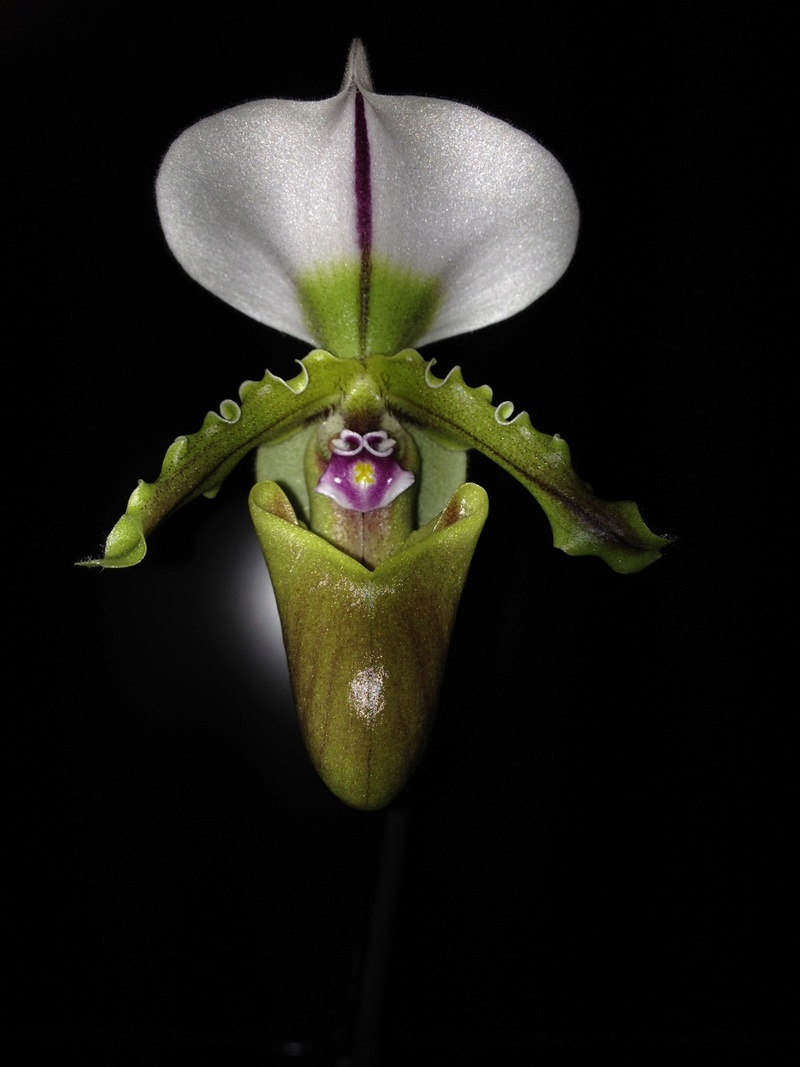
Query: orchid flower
{"type": "Point", "coordinates": [366, 225]}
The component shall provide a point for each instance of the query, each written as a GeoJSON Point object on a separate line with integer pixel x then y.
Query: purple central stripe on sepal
{"type": "Point", "coordinates": [363, 193]}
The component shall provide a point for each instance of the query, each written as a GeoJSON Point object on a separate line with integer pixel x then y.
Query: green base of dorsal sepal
{"type": "Point", "coordinates": [356, 309]}
{"type": "Point", "coordinates": [271, 410]}
{"type": "Point", "coordinates": [367, 649]}
{"type": "Point", "coordinates": [464, 417]}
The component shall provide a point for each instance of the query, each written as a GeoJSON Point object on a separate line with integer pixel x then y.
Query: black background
{"type": "Point", "coordinates": [596, 852]}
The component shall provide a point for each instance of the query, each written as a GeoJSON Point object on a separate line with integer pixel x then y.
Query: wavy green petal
{"type": "Point", "coordinates": [270, 411]}
{"type": "Point", "coordinates": [464, 417]}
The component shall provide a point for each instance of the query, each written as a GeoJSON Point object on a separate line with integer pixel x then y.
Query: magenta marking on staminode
{"type": "Point", "coordinates": [363, 193]}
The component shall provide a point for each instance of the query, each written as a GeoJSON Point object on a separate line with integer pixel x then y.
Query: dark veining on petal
{"type": "Point", "coordinates": [363, 191]}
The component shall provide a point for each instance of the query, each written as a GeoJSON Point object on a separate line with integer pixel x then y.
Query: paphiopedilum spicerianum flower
{"type": "Point", "coordinates": [365, 225]}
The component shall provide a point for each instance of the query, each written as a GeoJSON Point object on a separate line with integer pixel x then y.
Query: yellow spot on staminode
{"type": "Point", "coordinates": [363, 473]}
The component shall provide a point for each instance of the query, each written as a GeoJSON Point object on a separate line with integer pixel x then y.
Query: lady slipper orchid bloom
{"type": "Point", "coordinates": [365, 224]}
